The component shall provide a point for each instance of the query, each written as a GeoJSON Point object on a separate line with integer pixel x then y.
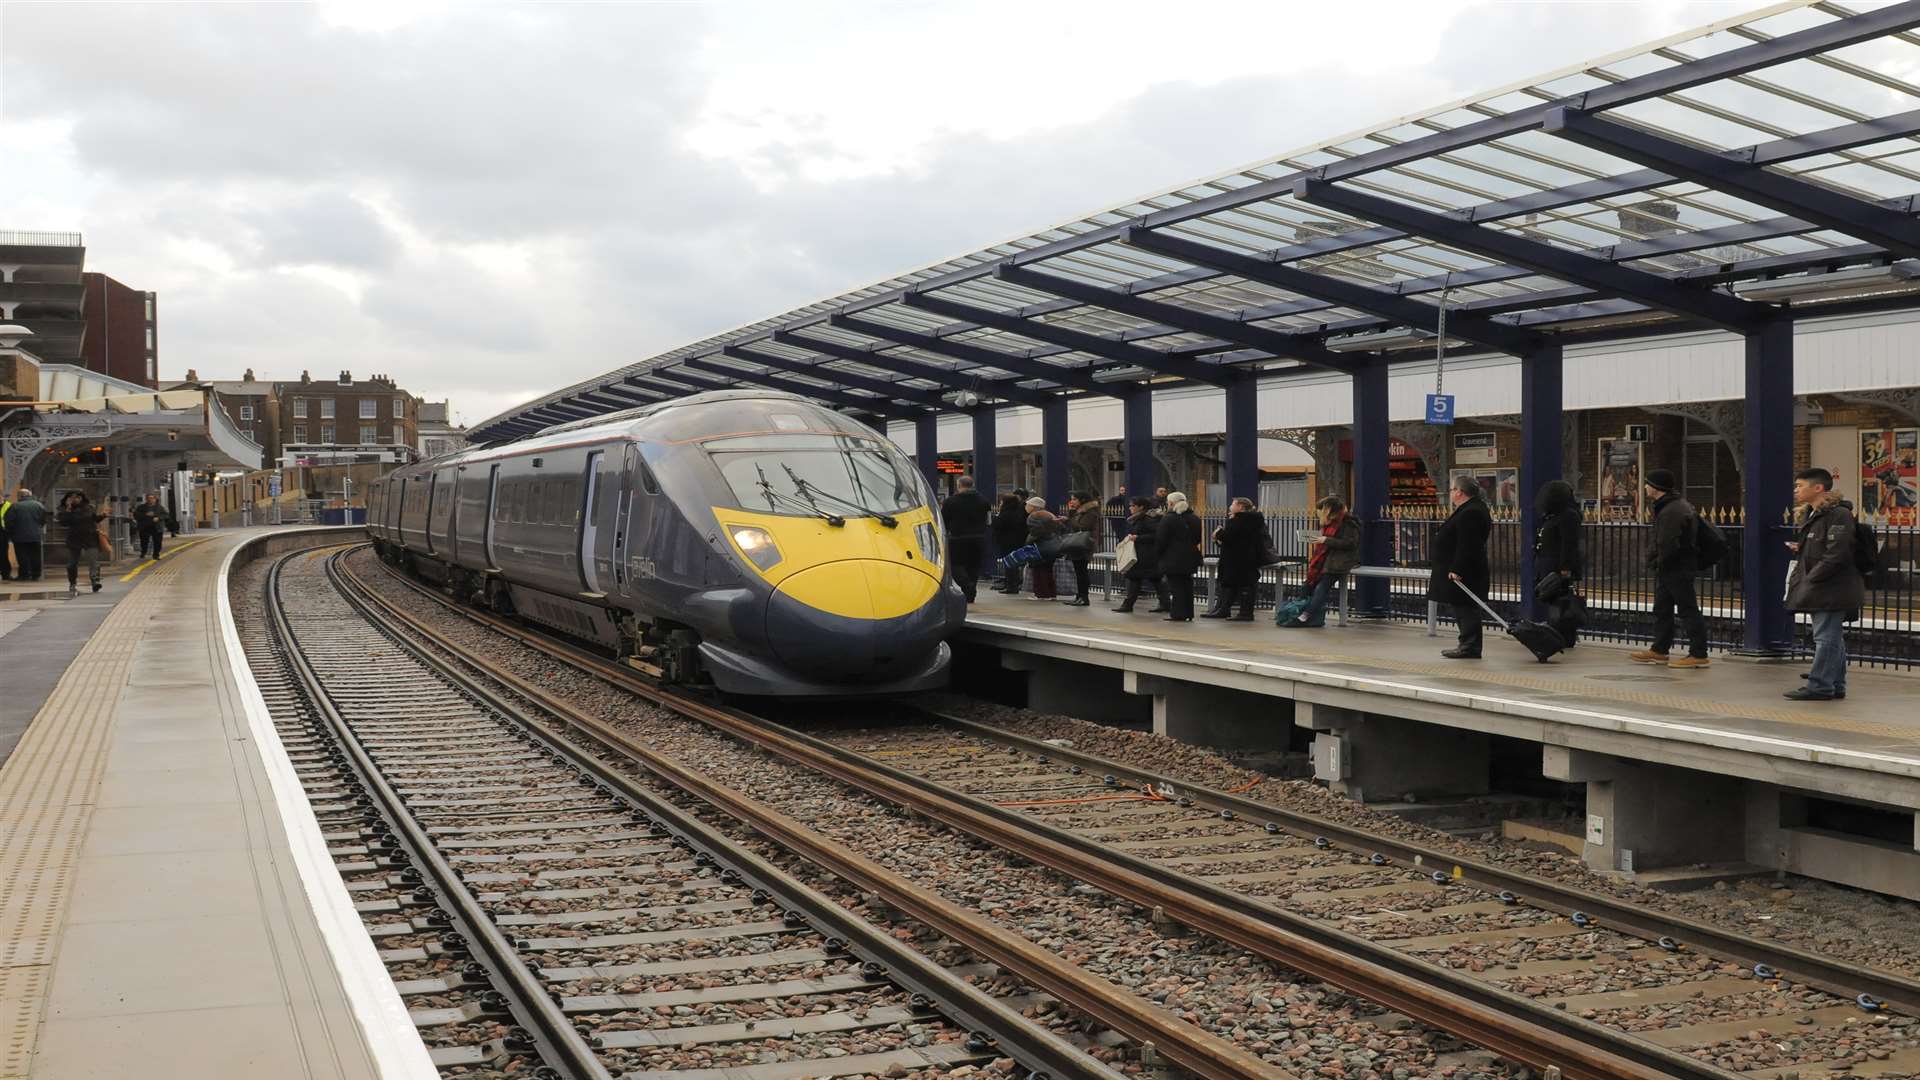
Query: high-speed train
{"type": "Point", "coordinates": [750, 539]}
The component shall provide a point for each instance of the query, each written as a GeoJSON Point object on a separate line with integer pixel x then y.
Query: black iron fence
{"type": "Point", "coordinates": [1617, 586]}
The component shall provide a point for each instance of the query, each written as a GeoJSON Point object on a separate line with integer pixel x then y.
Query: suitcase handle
{"type": "Point", "coordinates": [1483, 607]}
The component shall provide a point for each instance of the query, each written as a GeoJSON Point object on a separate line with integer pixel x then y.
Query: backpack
{"type": "Point", "coordinates": [1866, 549]}
{"type": "Point", "coordinates": [1709, 544]}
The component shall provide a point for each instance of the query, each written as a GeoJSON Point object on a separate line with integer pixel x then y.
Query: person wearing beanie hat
{"type": "Point", "coordinates": [1670, 555]}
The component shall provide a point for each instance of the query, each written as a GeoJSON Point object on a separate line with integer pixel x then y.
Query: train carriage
{"type": "Point", "coordinates": [748, 538]}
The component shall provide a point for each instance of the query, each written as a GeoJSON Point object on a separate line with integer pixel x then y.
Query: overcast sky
{"type": "Point", "coordinates": [491, 201]}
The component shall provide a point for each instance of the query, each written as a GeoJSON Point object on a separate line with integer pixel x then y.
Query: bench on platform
{"type": "Point", "coordinates": [1400, 573]}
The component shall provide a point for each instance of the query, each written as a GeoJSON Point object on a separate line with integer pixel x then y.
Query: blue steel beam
{"type": "Point", "coordinates": [1541, 428]}
{"type": "Point", "coordinates": [1767, 485]}
{"type": "Point", "coordinates": [1413, 313]}
{"type": "Point", "coordinates": [819, 370]}
{"type": "Point", "coordinates": [1897, 232]}
{"type": "Point", "coordinates": [1136, 443]}
{"type": "Point", "coordinates": [1006, 389]}
{"type": "Point", "coordinates": [1652, 290]}
{"type": "Point", "coordinates": [1275, 343]}
{"type": "Point", "coordinates": [840, 399]}
{"type": "Point", "coordinates": [967, 352]}
{"type": "Point", "coordinates": [1120, 352]}
{"type": "Point", "coordinates": [1053, 454]}
{"type": "Point", "coordinates": [926, 447]}
{"type": "Point", "coordinates": [1371, 481]}
{"type": "Point", "coordinates": [986, 452]}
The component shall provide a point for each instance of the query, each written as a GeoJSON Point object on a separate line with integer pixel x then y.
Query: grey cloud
{"type": "Point", "coordinates": [326, 228]}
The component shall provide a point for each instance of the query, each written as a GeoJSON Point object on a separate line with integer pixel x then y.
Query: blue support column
{"type": "Point", "coordinates": [1370, 480]}
{"type": "Point", "coordinates": [1767, 475]}
{"type": "Point", "coordinates": [1243, 439]}
{"type": "Point", "coordinates": [1136, 445]}
{"type": "Point", "coordinates": [1053, 454]}
{"type": "Point", "coordinates": [926, 447]}
{"type": "Point", "coordinates": [986, 446]}
{"type": "Point", "coordinates": [1541, 427]}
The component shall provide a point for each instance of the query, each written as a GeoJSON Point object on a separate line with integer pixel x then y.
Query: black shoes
{"type": "Point", "coordinates": [1248, 617]}
{"type": "Point", "coordinates": [1078, 601]}
{"type": "Point", "coordinates": [1124, 609]}
{"type": "Point", "coordinates": [96, 586]}
{"type": "Point", "coordinates": [1801, 693]}
{"type": "Point", "coordinates": [1213, 615]}
{"type": "Point", "coordinates": [1460, 654]}
{"type": "Point", "coordinates": [1156, 611]}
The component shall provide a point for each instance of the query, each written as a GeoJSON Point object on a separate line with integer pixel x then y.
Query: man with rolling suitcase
{"type": "Point", "coordinates": [1460, 562]}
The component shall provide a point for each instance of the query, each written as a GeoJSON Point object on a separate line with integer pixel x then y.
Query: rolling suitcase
{"type": "Point", "coordinates": [1540, 639]}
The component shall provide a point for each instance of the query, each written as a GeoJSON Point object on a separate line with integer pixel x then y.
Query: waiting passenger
{"type": "Point", "coordinates": [1144, 527]}
{"type": "Point", "coordinates": [1673, 562]}
{"type": "Point", "coordinates": [1083, 515]}
{"type": "Point", "coordinates": [1237, 582]}
{"type": "Point", "coordinates": [1825, 582]}
{"type": "Point", "coordinates": [1179, 553]}
{"type": "Point", "coordinates": [1460, 562]}
{"type": "Point", "coordinates": [149, 523]}
{"type": "Point", "coordinates": [1556, 551]}
{"type": "Point", "coordinates": [965, 513]}
{"type": "Point", "coordinates": [1042, 529]}
{"type": "Point", "coordinates": [27, 530]}
{"type": "Point", "coordinates": [1009, 532]}
{"type": "Point", "coordinates": [82, 522]}
{"type": "Point", "coordinates": [1336, 551]}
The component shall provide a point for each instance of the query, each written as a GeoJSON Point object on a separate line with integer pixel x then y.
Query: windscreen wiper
{"type": "Point", "coordinates": [810, 491]}
{"type": "Point", "coordinates": [808, 508]}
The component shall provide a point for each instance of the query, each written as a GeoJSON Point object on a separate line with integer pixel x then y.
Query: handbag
{"type": "Point", "coordinates": [1289, 611]}
{"type": "Point", "coordinates": [1124, 557]}
{"type": "Point", "coordinates": [1020, 556]}
{"type": "Point", "coordinates": [1076, 545]}
{"type": "Point", "coordinates": [1552, 586]}
{"type": "Point", "coordinates": [1269, 555]}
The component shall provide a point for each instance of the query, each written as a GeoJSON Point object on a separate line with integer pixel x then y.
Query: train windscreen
{"type": "Point", "coordinates": [833, 474]}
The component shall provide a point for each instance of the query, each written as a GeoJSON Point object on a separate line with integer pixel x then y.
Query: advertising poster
{"type": "Point", "coordinates": [1890, 474]}
{"type": "Point", "coordinates": [1500, 487]}
{"type": "Point", "coordinates": [1620, 472]}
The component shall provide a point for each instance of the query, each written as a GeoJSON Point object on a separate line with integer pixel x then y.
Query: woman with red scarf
{"type": "Point", "coordinates": [1335, 551]}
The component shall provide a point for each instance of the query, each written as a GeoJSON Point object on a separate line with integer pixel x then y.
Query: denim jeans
{"type": "Point", "coordinates": [1315, 613]}
{"type": "Point", "coordinates": [1829, 675]}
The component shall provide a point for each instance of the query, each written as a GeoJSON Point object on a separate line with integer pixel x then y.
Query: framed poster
{"type": "Point", "coordinates": [1500, 487]}
{"type": "Point", "coordinates": [1478, 448]}
{"type": "Point", "coordinates": [1622, 493]}
{"type": "Point", "coordinates": [1890, 474]}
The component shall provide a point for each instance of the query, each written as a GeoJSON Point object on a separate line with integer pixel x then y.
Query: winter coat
{"type": "Point", "coordinates": [1824, 577]}
{"type": "Point", "coordinates": [1556, 546]}
{"type": "Point", "coordinates": [1343, 547]}
{"type": "Point", "coordinates": [1460, 547]}
{"type": "Point", "coordinates": [149, 517]}
{"type": "Point", "coordinates": [965, 513]}
{"type": "Point", "coordinates": [1145, 530]}
{"type": "Point", "coordinates": [27, 521]}
{"type": "Point", "coordinates": [1088, 518]}
{"type": "Point", "coordinates": [1179, 547]}
{"type": "Point", "coordinates": [1009, 528]}
{"type": "Point", "coordinates": [1240, 543]}
{"type": "Point", "coordinates": [1042, 526]}
{"type": "Point", "coordinates": [83, 526]}
{"type": "Point", "coordinates": [1672, 544]}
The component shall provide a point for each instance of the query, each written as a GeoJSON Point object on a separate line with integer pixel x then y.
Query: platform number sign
{"type": "Point", "coordinates": [1439, 408]}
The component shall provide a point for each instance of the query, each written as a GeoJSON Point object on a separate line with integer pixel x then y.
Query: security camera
{"type": "Point", "coordinates": [966, 399]}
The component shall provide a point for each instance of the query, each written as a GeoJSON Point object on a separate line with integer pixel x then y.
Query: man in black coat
{"type": "Point", "coordinates": [965, 513]}
{"type": "Point", "coordinates": [1672, 561]}
{"type": "Point", "coordinates": [1240, 541]}
{"type": "Point", "coordinates": [1460, 562]}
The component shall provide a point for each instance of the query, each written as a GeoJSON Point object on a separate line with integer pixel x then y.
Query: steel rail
{"type": "Point", "coordinates": [558, 1043]}
{"type": "Point", "coordinates": [1794, 965]}
{"type": "Point", "coordinates": [1185, 1044]}
{"type": "Point", "coordinates": [1513, 1026]}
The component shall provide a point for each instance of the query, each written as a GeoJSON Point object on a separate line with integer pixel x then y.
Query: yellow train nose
{"type": "Point", "coordinates": [862, 588]}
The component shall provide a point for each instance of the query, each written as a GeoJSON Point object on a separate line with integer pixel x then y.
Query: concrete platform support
{"type": "Point", "coordinates": [1779, 838]}
{"type": "Point", "coordinates": [1082, 691]}
{"type": "Point", "coordinates": [1213, 717]}
{"type": "Point", "coordinates": [1372, 758]}
{"type": "Point", "coordinates": [1642, 816]}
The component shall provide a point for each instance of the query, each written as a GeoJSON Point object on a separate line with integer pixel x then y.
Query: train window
{"type": "Point", "coordinates": [647, 483]}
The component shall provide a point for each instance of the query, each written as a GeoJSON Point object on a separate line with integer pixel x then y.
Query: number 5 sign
{"type": "Point", "coordinates": [1439, 408]}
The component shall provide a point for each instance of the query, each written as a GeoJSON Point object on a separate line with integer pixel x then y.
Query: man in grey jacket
{"type": "Point", "coordinates": [1824, 582]}
{"type": "Point", "coordinates": [27, 528]}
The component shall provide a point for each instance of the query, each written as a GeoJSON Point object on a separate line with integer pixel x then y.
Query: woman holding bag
{"type": "Point", "coordinates": [1335, 552]}
{"type": "Point", "coordinates": [1143, 528]}
{"type": "Point", "coordinates": [1557, 558]}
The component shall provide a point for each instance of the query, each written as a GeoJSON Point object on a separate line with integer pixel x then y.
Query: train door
{"type": "Point", "coordinates": [436, 491]}
{"type": "Point", "coordinates": [590, 526]}
{"type": "Point", "coordinates": [452, 526]}
{"type": "Point", "coordinates": [494, 509]}
{"type": "Point", "coordinates": [636, 515]}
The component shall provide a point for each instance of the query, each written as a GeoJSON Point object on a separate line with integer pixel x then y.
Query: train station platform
{"type": "Point", "coordinates": [167, 906]}
{"type": "Point", "coordinates": [1680, 766]}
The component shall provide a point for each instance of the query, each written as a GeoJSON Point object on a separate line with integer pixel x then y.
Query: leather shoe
{"type": "Point", "coordinates": [1460, 654]}
{"type": "Point", "coordinates": [1801, 693]}
{"type": "Point", "coordinates": [1078, 601]}
{"type": "Point", "coordinates": [1213, 614]}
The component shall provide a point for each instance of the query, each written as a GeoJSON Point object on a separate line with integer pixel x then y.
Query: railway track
{"type": "Point", "coordinates": [1097, 821]}
{"type": "Point", "coordinates": [545, 915]}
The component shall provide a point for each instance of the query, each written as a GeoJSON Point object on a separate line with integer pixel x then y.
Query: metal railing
{"type": "Point", "coordinates": [29, 238]}
{"type": "Point", "coordinates": [1616, 584]}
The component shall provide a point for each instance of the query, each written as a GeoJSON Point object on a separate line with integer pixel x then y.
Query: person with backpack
{"type": "Point", "coordinates": [1672, 556]}
{"type": "Point", "coordinates": [1827, 581]}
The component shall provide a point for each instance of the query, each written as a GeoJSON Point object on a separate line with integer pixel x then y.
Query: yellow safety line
{"type": "Point", "coordinates": [175, 550]}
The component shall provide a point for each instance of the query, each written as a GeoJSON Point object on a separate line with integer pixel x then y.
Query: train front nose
{"type": "Point", "coordinates": [856, 620]}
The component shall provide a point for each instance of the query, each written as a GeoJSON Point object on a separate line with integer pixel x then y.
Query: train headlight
{"type": "Point", "coordinates": [929, 542]}
{"type": "Point", "coordinates": [757, 545]}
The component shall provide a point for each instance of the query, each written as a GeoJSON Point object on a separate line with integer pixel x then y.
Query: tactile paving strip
{"type": "Point", "coordinates": [48, 788]}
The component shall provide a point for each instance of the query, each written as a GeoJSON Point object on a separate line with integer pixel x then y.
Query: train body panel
{"type": "Point", "coordinates": [751, 538]}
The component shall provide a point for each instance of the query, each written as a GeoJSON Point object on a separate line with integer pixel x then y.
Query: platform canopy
{"type": "Point", "coordinates": [1713, 178]}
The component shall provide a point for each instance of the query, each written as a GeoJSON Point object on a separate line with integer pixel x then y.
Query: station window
{"type": "Point", "coordinates": [326, 433]}
{"type": "Point", "coordinates": [246, 412]}
{"type": "Point", "coordinates": [400, 436]}
{"type": "Point", "coordinates": [299, 433]}
{"type": "Point", "coordinates": [399, 407]}
{"type": "Point", "coordinates": [149, 339]}
{"type": "Point", "coordinates": [149, 307]}
{"type": "Point", "coordinates": [299, 408]}
{"type": "Point", "coordinates": [369, 408]}
{"type": "Point", "coordinates": [326, 408]}
{"type": "Point", "coordinates": [369, 434]}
